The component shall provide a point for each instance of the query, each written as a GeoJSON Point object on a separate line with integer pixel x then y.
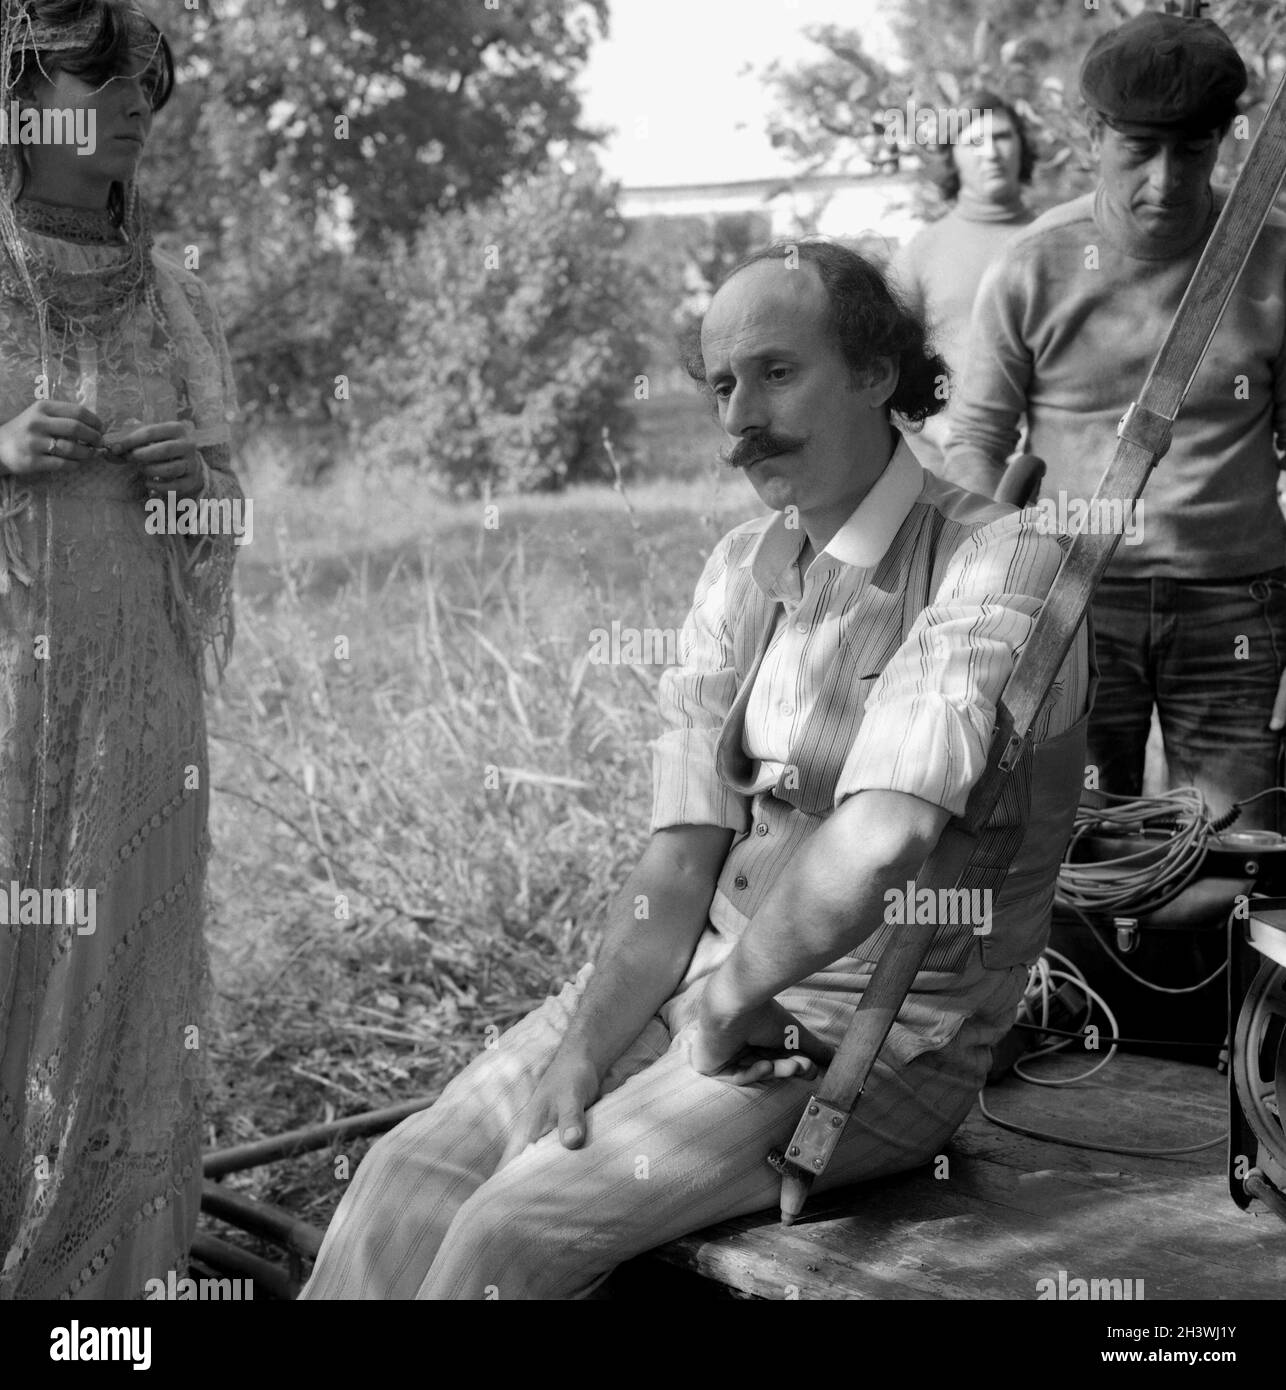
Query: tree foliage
{"type": "Point", "coordinates": [306, 137]}
{"type": "Point", "coordinates": [518, 341]}
{"type": "Point", "coordinates": [831, 110]}
{"type": "Point", "coordinates": [387, 109]}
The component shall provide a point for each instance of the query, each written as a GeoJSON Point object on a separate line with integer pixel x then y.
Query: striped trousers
{"type": "Point", "coordinates": [667, 1150]}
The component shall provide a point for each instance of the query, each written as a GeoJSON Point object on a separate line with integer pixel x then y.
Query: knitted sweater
{"type": "Point", "coordinates": [939, 271]}
{"type": "Point", "coordinates": [1065, 328]}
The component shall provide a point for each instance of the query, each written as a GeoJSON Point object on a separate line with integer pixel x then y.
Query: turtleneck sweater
{"type": "Point", "coordinates": [1065, 329]}
{"type": "Point", "coordinates": [938, 272]}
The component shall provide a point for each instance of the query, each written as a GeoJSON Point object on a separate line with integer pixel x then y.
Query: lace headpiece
{"type": "Point", "coordinates": [70, 304]}
{"type": "Point", "coordinates": [89, 314]}
{"type": "Point", "coordinates": [93, 301]}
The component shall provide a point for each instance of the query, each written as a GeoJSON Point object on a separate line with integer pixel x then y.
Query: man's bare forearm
{"type": "Point", "coordinates": [653, 926]}
{"type": "Point", "coordinates": [830, 898]}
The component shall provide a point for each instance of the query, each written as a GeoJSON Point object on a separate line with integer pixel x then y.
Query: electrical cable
{"type": "Point", "coordinates": [1137, 978]}
{"type": "Point", "coordinates": [1124, 1042]}
{"type": "Point", "coordinates": [1055, 1047]}
{"type": "Point", "coordinates": [1045, 978]}
{"type": "Point", "coordinates": [1267, 791]}
{"type": "Point", "coordinates": [1108, 888]}
{"type": "Point", "coordinates": [1039, 984]}
{"type": "Point", "coordinates": [1098, 1148]}
{"type": "Point", "coordinates": [1147, 879]}
{"type": "Point", "coordinates": [1135, 885]}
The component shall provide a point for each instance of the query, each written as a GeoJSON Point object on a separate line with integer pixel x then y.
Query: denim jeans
{"type": "Point", "coordinates": [1208, 654]}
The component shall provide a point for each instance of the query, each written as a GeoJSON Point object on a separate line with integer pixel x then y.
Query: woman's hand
{"type": "Point", "coordinates": [166, 455]}
{"type": "Point", "coordinates": [49, 437]}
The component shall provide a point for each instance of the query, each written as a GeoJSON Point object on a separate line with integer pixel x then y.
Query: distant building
{"type": "Point", "coordinates": [867, 207]}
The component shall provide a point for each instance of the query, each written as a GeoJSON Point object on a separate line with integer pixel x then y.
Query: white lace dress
{"type": "Point", "coordinates": [104, 787]}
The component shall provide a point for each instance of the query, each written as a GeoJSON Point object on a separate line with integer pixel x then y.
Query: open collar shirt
{"type": "Point", "coordinates": [921, 723]}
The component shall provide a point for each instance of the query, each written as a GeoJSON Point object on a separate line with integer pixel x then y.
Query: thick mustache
{"type": "Point", "coordinates": [759, 446]}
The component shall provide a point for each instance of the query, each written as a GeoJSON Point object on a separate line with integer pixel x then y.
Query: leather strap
{"type": "Point", "coordinates": [1143, 438]}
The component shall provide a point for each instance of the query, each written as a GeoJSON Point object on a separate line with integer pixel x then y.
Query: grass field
{"type": "Point", "coordinates": [425, 792]}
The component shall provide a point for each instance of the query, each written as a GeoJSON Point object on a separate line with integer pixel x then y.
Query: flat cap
{"type": "Point", "coordinates": [1164, 70]}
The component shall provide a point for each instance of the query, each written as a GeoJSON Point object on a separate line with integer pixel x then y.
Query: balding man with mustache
{"type": "Point", "coordinates": [841, 667]}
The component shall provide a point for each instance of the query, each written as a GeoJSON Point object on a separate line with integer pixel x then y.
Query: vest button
{"type": "Point", "coordinates": [741, 881]}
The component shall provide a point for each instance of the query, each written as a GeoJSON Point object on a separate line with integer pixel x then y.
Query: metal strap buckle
{"type": "Point", "coordinates": [1146, 428]}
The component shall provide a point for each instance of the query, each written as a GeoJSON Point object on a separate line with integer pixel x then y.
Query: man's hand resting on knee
{"type": "Point", "coordinates": [639, 966]}
{"type": "Point", "coordinates": [565, 1092]}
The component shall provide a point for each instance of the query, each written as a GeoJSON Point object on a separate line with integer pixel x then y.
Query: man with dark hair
{"type": "Point", "coordinates": [842, 663]}
{"type": "Point", "coordinates": [980, 170]}
{"type": "Point", "coordinates": [1191, 617]}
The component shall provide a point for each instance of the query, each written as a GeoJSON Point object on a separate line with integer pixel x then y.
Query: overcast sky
{"type": "Point", "coordinates": [669, 79]}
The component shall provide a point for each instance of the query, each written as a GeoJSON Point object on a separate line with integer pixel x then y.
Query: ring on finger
{"type": "Point", "coordinates": [53, 448]}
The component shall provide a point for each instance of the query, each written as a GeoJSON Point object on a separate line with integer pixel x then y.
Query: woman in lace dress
{"type": "Point", "coordinates": [115, 390]}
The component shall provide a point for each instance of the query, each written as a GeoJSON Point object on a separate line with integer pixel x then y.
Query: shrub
{"type": "Point", "coordinates": [517, 340]}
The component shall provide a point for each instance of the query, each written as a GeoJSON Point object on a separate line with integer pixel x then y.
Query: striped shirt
{"type": "Point", "coordinates": [878, 667]}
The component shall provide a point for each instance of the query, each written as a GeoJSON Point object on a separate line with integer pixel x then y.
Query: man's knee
{"type": "Point", "coordinates": [391, 1221]}
{"type": "Point", "coordinates": [507, 1241]}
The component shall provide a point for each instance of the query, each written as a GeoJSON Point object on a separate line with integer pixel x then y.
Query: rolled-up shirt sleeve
{"type": "Point", "coordinates": [930, 716]}
{"type": "Point", "coordinates": [694, 699]}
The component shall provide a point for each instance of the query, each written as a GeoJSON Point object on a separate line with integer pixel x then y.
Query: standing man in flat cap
{"type": "Point", "coordinates": [1191, 617]}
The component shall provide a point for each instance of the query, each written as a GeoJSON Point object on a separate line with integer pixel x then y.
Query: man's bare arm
{"type": "Point", "coordinates": [828, 900]}
{"type": "Point", "coordinates": [652, 929]}
{"type": "Point", "coordinates": [642, 958]}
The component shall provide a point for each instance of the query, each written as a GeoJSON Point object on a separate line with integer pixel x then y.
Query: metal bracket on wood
{"type": "Point", "coordinates": [1013, 751]}
{"type": "Point", "coordinates": [816, 1135]}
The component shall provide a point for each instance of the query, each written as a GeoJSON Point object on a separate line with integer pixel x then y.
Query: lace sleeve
{"type": "Point", "coordinates": [206, 313]}
{"type": "Point", "coordinates": [192, 323]}
{"type": "Point", "coordinates": [202, 565]}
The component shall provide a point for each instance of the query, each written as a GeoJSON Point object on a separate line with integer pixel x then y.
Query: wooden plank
{"type": "Point", "coordinates": [785, 1267]}
{"type": "Point", "coordinates": [968, 1253]}
{"type": "Point", "coordinates": [1143, 438]}
{"type": "Point", "coordinates": [1012, 1210]}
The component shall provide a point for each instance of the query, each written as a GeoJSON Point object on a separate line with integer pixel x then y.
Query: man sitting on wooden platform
{"type": "Point", "coordinates": [842, 663]}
